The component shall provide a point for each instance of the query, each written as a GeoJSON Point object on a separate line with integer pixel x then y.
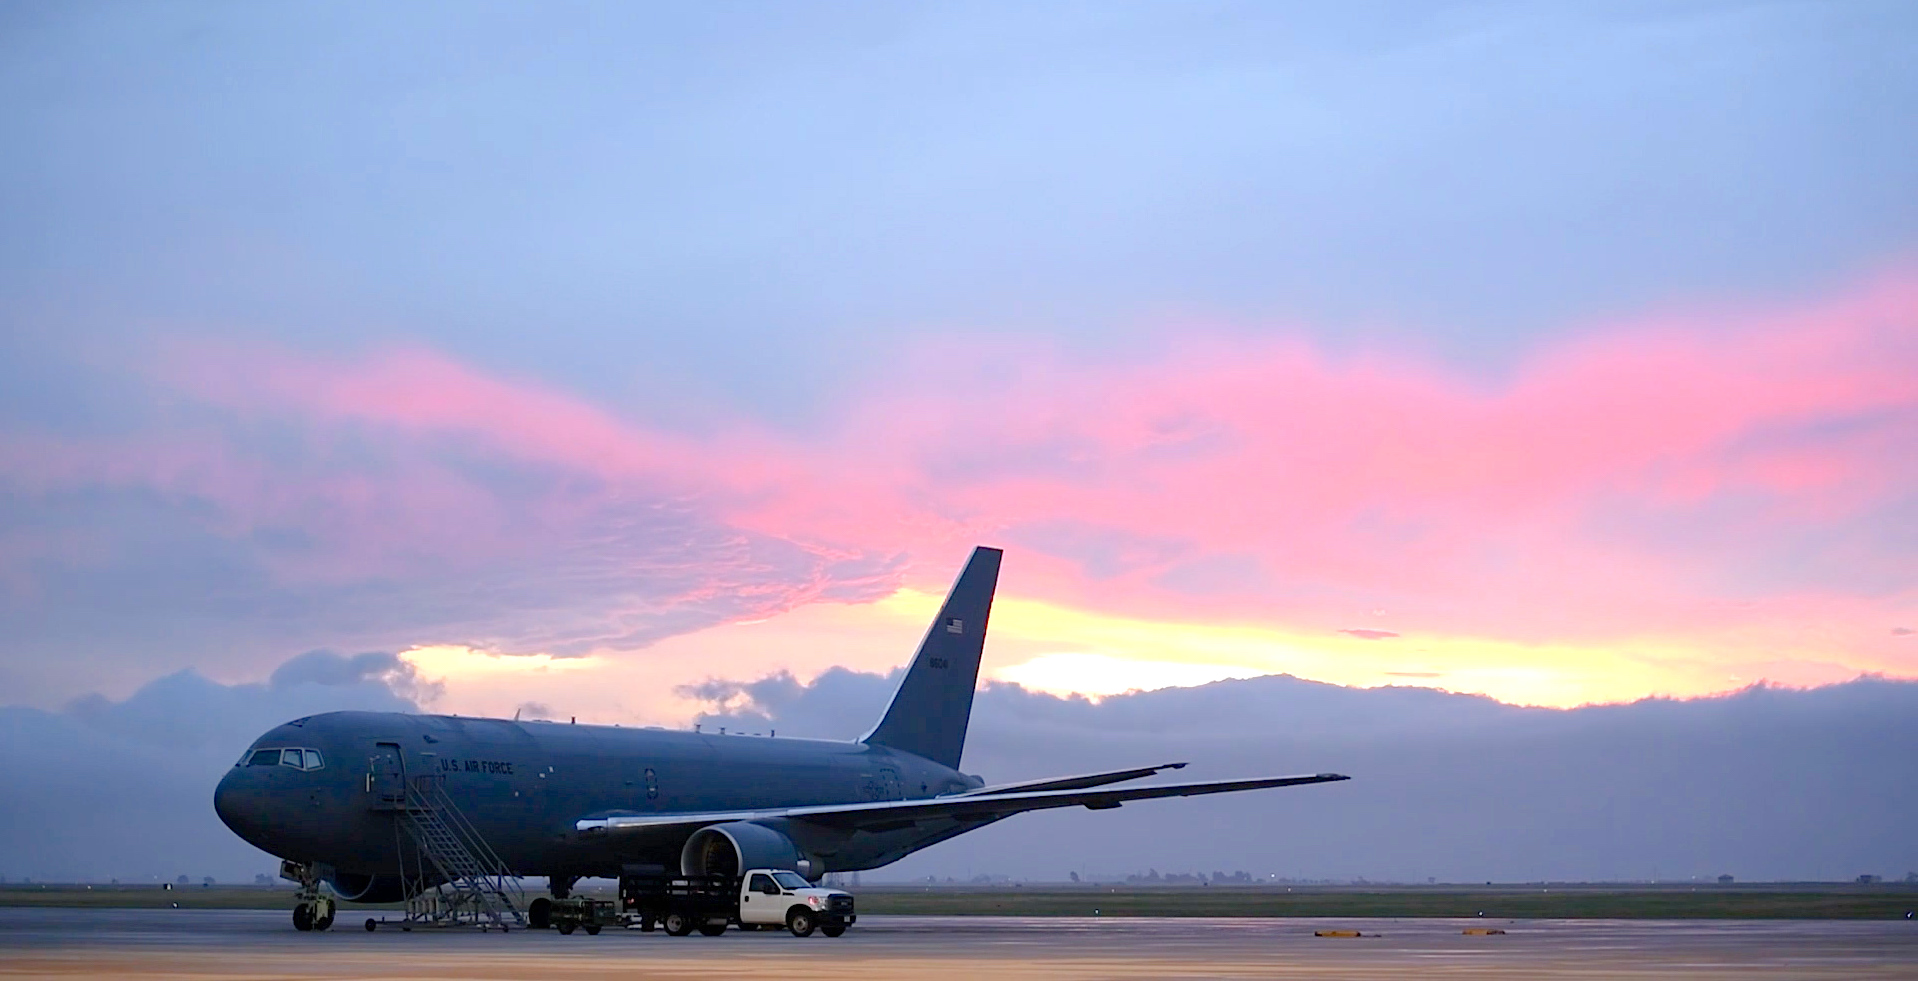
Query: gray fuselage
{"type": "Point", "coordinates": [524, 785]}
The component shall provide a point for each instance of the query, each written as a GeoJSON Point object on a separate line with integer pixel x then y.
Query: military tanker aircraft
{"type": "Point", "coordinates": [327, 793]}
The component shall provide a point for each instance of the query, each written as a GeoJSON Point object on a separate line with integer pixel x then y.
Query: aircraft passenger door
{"type": "Point", "coordinates": [386, 775]}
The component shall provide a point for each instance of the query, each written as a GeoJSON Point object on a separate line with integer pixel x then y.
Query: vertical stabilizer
{"type": "Point", "coordinates": [929, 712]}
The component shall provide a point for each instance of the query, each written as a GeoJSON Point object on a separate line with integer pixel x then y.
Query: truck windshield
{"type": "Point", "coordinates": [791, 880]}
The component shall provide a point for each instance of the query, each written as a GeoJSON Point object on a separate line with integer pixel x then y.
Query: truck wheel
{"type": "Point", "coordinates": [833, 930]}
{"type": "Point", "coordinates": [565, 928]}
{"type": "Point", "coordinates": [592, 929]}
{"type": "Point", "coordinates": [801, 922]}
{"type": "Point", "coordinates": [539, 914]}
{"type": "Point", "coordinates": [646, 924]}
{"type": "Point", "coordinates": [712, 929]}
{"type": "Point", "coordinates": [677, 924]}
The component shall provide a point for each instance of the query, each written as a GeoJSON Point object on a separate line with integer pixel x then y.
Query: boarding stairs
{"type": "Point", "coordinates": [455, 878]}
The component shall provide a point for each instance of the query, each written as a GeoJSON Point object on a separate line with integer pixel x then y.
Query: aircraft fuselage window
{"type": "Point", "coordinates": [313, 759]}
{"type": "Point", "coordinates": [293, 758]}
{"type": "Point", "coordinates": [265, 757]}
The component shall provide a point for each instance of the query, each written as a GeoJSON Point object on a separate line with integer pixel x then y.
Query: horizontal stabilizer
{"type": "Point", "coordinates": [1075, 783]}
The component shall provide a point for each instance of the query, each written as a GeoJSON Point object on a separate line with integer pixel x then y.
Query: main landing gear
{"type": "Point", "coordinates": [314, 911]}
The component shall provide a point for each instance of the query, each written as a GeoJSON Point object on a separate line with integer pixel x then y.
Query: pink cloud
{"type": "Point", "coordinates": [1526, 507]}
{"type": "Point", "coordinates": [1365, 633]}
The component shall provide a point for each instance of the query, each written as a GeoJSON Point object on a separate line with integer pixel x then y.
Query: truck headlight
{"type": "Point", "coordinates": [812, 901]}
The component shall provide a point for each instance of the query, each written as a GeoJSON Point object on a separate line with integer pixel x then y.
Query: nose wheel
{"type": "Point", "coordinates": [314, 915]}
{"type": "Point", "coordinates": [314, 911]}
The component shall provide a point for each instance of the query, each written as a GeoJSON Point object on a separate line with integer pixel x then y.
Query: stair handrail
{"type": "Point", "coordinates": [491, 865]}
{"type": "Point", "coordinates": [475, 874]}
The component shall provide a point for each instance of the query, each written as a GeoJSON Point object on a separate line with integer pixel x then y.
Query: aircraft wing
{"type": "Point", "coordinates": [1073, 783]}
{"type": "Point", "coordinates": [891, 814]}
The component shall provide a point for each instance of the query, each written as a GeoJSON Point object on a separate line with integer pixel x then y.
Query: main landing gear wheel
{"type": "Point", "coordinates": [539, 914]}
{"type": "Point", "coordinates": [324, 921]}
{"type": "Point", "coordinates": [303, 917]}
{"type": "Point", "coordinates": [833, 931]}
{"type": "Point", "coordinates": [712, 929]}
{"type": "Point", "coordinates": [677, 924]}
{"type": "Point", "coordinates": [801, 923]}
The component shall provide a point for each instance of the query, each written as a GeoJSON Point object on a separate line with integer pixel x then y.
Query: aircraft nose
{"type": "Point", "coordinates": [237, 804]}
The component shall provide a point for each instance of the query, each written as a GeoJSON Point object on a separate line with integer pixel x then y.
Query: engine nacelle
{"type": "Point", "coordinates": [367, 888]}
{"type": "Point", "coordinates": [733, 847]}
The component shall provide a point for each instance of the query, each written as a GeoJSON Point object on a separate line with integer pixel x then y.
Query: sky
{"type": "Point", "coordinates": [575, 354]}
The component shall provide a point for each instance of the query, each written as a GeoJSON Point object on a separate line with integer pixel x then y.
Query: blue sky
{"type": "Point", "coordinates": [741, 202]}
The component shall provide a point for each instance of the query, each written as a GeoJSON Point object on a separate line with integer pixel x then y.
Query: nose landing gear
{"type": "Point", "coordinates": [313, 911]}
{"type": "Point", "coordinates": [316, 915]}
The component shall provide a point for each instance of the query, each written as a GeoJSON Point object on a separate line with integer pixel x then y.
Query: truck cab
{"type": "Point", "coordinates": [781, 897]}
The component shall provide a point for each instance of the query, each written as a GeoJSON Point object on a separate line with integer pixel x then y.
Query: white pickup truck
{"type": "Point", "coordinates": [756, 900]}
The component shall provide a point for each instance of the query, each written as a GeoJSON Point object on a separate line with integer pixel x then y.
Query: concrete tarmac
{"type": "Point", "coordinates": [216, 945]}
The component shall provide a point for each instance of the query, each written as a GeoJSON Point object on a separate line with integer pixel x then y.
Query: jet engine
{"type": "Point", "coordinates": [367, 888]}
{"type": "Point", "coordinates": [733, 847]}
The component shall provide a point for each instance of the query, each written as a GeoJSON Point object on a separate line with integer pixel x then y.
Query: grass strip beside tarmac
{"type": "Point", "coordinates": [1573, 903]}
{"type": "Point", "coordinates": [146, 896]}
{"type": "Point", "coordinates": [1792, 901]}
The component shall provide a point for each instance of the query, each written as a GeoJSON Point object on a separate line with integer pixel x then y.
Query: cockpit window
{"type": "Point", "coordinates": [299, 758]}
{"type": "Point", "coordinates": [791, 880]}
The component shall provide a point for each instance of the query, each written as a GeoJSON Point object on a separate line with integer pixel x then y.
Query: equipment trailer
{"type": "Point", "coordinates": [575, 912]}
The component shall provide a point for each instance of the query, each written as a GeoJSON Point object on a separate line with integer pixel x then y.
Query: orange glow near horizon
{"type": "Point", "coordinates": [1064, 651]}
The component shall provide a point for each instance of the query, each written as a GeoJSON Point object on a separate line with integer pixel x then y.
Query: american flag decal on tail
{"type": "Point", "coordinates": [955, 626]}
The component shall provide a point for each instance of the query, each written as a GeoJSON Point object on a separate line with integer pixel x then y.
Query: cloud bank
{"type": "Point", "coordinates": [1766, 783]}
{"type": "Point", "coordinates": [124, 789]}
